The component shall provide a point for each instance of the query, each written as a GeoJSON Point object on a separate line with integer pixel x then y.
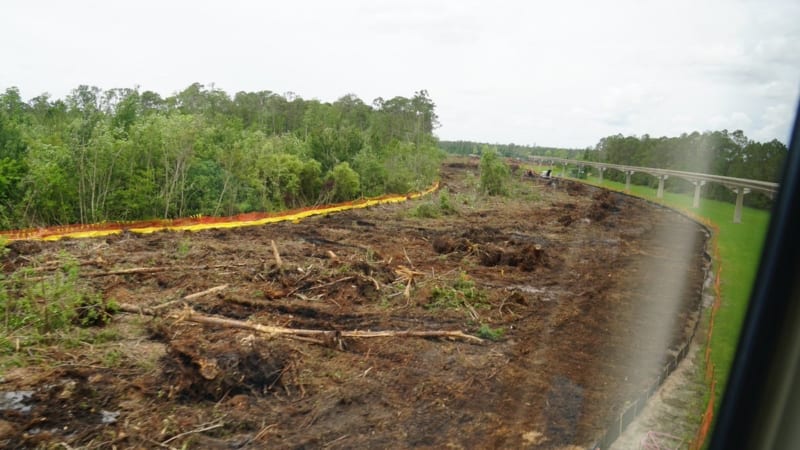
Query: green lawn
{"type": "Point", "coordinates": [739, 252]}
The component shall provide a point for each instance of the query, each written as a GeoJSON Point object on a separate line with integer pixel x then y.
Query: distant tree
{"type": "Point", "coordinates": [509, 150]}
{"type": "Point", "coordinates": [716, 152]}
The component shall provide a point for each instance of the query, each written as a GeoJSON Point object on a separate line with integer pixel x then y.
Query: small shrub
{"type": "Point", "coordinates": [112, 358]}
{"type": "Point", "coordinates": [183, 248]}
{"type": "Point", "coordinates": [50, 304]}
{"type": "Point", "coordinates": [92, 311]}
{"type": "Point", "coordinates": [432, 209]}
{"type": "Point", "coordinates": [426, 210]}
{"type": "Point", "coordinates": [460, 294]}
{"type": "Point", "coordinates": [492, 334]}
{"type": "Point", "coordinates": [446, 205]}
{"type": "Point", "coordinates": [495, 174]}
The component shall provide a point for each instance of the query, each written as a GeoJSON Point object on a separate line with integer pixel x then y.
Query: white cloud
{"type": "Point", "coordinates": [558, 73]}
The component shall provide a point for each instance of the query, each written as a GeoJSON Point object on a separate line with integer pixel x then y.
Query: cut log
{"type": "Point", "coordinates": [331, 336]}
{"type": "Point", "coordinates": [152, 311]}
{"type": "Point", "coordinates": [206, 292]}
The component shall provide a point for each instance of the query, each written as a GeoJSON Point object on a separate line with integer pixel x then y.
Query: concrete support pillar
{"type": "Point", "coordinates": [737, 213]}
{"type": "Point", "coordinates": [661, 178]}
{"type": "Point", "coordinates": [628, 174]}
{"type": "Point", "coordinates": [601, 170]}
{"type": "Point", "coordinates": [697, 185]}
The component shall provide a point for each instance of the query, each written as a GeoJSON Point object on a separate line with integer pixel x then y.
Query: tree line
{"type": "Point", "coordinates": [715, 152]}
{"type": "Point", "coordinates": [466, 148]}
{"type": "Point", "coordinates": [723, 153]}
{"type": "Point", "coordinates": [122, 154]}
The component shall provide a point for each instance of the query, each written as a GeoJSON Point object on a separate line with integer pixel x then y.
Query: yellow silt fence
{"type": "Point", "coordinates": [204, 223]}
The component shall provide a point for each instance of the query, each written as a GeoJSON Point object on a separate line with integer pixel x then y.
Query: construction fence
{"type": "Point", "coordinates": [203, 223]}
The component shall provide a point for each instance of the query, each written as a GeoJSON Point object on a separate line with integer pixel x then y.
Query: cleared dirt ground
{"type": "Point", "coordinates": [565, 279]}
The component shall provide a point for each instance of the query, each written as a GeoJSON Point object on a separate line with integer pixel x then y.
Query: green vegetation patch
{"type": "Point", "coordinates": [495, 174]}
{"type": "Point", "coordinates": [444, 205]}
{"type": "Point", "coordinates": [461, 293]}
{"type": "Point", "coordinates": [35, 305]}
{"type": "Point", "coordinates": [492, 334]}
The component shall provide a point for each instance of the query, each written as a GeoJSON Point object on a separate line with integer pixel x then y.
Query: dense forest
{"type": "Point", "coordinates": [122, 154]}
{"type": "Point", "coordinates": [718, 152]}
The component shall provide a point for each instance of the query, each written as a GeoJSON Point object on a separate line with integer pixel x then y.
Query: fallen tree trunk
{"type": "Point", "coordinates": [331, 336]}
{"type": "Point", "coordinates": [157, 269]}
{"type": "Point", "coordinates": [152, 311]}
{"type": "Point", "coordinates": [206, 292]}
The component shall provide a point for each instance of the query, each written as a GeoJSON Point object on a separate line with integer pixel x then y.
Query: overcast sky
{"type": "Point", "coordinates": [555, 73]}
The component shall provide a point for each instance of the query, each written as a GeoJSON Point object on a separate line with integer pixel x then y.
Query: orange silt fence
{"type": "Point", "coordinates": [707, 419]}
{"type": "Point", "coordinates": [705, 423]}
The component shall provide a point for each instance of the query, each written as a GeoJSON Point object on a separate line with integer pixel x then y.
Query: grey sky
{"type": "Point", "coordinates": [557, 73]}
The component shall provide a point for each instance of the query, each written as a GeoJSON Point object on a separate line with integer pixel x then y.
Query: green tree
{"type": "Point", "coordinates": [372, 172]}
{"type": "Point", "coordinates": [343, 182]}
{"type": "Point", "coordinates": [495, 174]}
{"type": "Point", "coordinates": [13, 150]}
{"type": "Point", "coordinates": [51, 194]}
{"type": "Point", "coordinates": [310, 181]}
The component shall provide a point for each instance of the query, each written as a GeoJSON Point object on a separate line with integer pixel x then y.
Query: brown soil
{"type": "Point", "coordinates": [566, 272]}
